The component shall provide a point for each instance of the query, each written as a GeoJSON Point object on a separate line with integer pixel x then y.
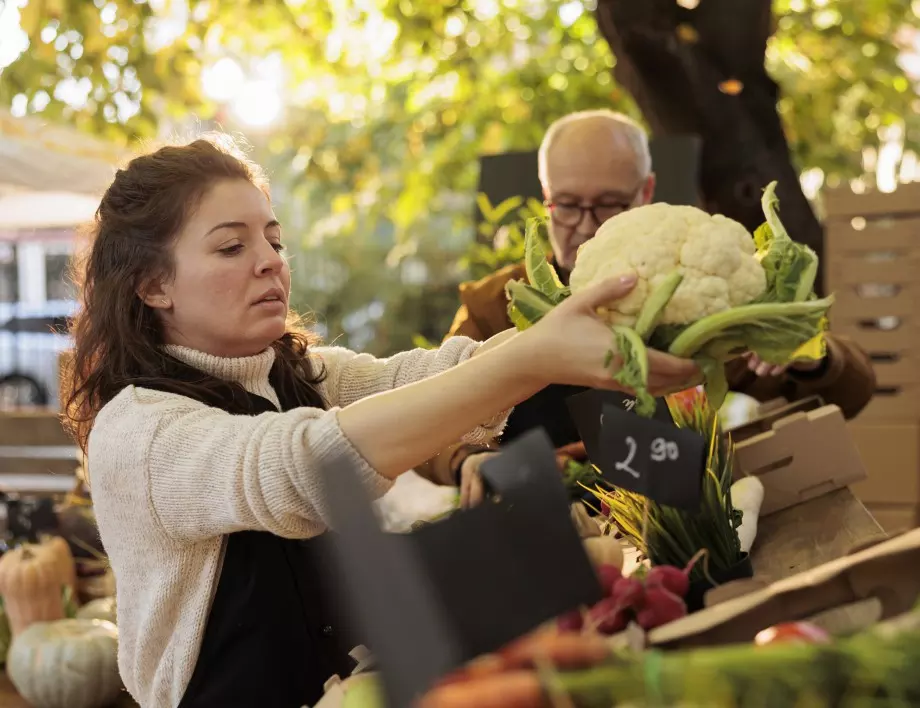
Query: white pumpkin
{"type": "Point", "coordinates": [101, 609]}
{"type": "Point", "coordinates": [69, 663]}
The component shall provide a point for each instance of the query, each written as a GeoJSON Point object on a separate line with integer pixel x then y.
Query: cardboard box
{"type": "Point", "coordinates": [799, 451]}
{"type": "Point", "coordinates": [895, 518]}
{"type": "Point", "coordinates": [891, 454]}
{"type": "Point", "coordinates": [878, 571]}
{"type": "Point", "coordinates": [841, 202]}
{"type": "Point", "coordinates": [872, 265]}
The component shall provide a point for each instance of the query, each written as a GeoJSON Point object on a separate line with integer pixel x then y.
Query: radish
{"type": "Point", "coordinates": [660, 608]}
{"type": "Point", "coordinates": [629, 593]}
{"type": "Point", "coordinates": [608, 575]}
{"type": "Point", "coordinates": [571, 621]}
{"type": "Point", "coordinates": [607, 616]}
{"type": "Point", "coordinates": [670, 578]}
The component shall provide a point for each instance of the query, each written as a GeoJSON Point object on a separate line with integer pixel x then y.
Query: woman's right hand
{"type": "Point", "coordinates": [570, 344]}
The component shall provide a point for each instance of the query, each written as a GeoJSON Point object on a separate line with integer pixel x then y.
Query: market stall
{"type": "Point", "coordinates": [710, 548]}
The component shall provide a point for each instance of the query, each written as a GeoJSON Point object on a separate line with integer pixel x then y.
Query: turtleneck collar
{"type": "Point", "coordinates": [251, 372]}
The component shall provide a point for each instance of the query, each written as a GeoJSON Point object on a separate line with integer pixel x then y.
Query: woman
{"type": "Point", "coordinates": [205, 413]}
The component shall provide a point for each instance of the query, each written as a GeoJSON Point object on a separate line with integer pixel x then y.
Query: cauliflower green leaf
{"type": "Point", "coordinates": [540, 274]}
{"type": "Point", "coordinates": [790, 267]}
{"type": "Point", "coordinates": [526, 304]}
{"type": "Point", "coordinates": [633, 371]}
{"type": "Point", "coordinates": [655, 304]}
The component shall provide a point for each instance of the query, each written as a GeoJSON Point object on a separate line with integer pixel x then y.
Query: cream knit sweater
{"type": "Point", "coordinates": [171, 476]}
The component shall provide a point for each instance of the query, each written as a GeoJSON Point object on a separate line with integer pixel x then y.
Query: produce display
{"type": "Point", "coordinates": [32, 578]}
{"type": "Point", "coordinates": [707, 290]}
{"type": "Point", "coordinates": [675, 537]}
{"type": "Point", "coordinates": [875, 667]}
{"type": "Point", "coordinates": [649, 599]}
{"type": "Point", "coordinates": [70, 663]}
{"type": "Point", "coordinates": [57, 652]}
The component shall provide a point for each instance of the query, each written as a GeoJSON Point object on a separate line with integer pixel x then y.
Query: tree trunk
{"type": "Point", "coordinates": [675, 62]}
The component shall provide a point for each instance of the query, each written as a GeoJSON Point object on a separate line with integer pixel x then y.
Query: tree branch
{"type": "Point", "coordinates": [680, 86]}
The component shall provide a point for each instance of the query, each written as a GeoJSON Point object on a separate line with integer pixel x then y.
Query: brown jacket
{"type": "Point", "coordinates": [847, 380]}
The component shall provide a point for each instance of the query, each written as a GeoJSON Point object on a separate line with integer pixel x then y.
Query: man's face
{"type": "Point", "coordinates": [591, 175]}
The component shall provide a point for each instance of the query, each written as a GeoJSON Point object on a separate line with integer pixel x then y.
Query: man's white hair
{"type": "Point", "coordinates": [620, 123]}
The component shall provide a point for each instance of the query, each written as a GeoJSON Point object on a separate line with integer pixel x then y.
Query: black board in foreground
{"type": "Point", "coordinates": [428, 601]}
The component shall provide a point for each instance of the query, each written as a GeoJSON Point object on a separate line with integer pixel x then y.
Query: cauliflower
{"type": "Point", "coordinates": [715, 255]}
{"type": "Point", "coordinates": [706, 290]}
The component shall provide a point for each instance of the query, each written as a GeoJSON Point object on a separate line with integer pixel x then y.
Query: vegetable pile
{"type": "Point", "coordinates": [706, 290]}
{"type": "Point", "coordinates": [671, 536]}
{"type": "Point", "coordinates": [875, 667]}
{"type": "Point", "coordinates": [649, 601]}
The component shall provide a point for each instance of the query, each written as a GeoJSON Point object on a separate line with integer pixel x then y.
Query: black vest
{"type": "Point", "coordinates": [270, 638]}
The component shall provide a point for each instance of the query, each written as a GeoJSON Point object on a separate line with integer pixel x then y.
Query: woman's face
{"type": "Point", "coordinates": [229, 292]}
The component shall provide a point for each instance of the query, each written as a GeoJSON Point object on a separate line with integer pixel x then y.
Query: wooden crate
{"type": "Point", "coordinates": [891, 454]}
{"type": "Point", "coordinates": [872, 265]}
{"type": "Point", "coordinates": [36, 453]}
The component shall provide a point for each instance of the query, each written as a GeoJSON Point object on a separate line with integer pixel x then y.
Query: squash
{"type": "Point", "coordinates": [30, 585]}
{"type": "Point", "coordinates": [70, 663]}
{"type": "Point", "coordinates": [101, 609]}
{"type": "Point", "coordinates": [59, 549]}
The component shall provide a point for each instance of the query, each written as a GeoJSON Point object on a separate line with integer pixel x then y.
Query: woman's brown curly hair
{"type": "Point", "coordinates": [118, 339]}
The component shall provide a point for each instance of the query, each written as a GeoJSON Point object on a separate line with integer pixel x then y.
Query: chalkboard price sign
{"type": "Point", "coordinates": [650, 457]}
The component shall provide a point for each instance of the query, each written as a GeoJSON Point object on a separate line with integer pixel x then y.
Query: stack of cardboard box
{"type": "Point", "coordinates": [872, 264]}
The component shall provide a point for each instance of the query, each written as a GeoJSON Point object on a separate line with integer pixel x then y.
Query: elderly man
{"type": "Point", "coordinates": [594, 165]}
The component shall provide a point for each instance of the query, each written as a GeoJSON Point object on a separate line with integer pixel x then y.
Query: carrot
{"type": "Point", "coordinates": [516, 689]}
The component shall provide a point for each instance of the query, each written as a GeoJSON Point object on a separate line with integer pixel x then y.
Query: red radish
{"type": "Point", "coordinates": [629, 593]}
{"type": "Point", "coordinates": [607, 616]}
{"type": "Point", "coordinates": [571, 621]}
{"type": "Point", "coordinates": [670, 578]}
{"type": "Point", "coordinates": [605, 509]}
{"type": "Point", "coordinates": [608, 575]}
{"type": "Point", "coordinates": [660, 608]}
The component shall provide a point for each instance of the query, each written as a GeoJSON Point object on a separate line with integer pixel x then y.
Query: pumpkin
{"type": "Point", "coordinates": [59, 550]}
{"type": "Point", "coordinates": [101, 609]}
{"type": "Point", "coordinates": [70, 663]}
{"type": "Point", "coordinates": [30, 584]}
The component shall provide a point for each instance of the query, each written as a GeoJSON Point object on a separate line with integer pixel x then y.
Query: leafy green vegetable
{"type": "Point", "coordinates": [540, 273]}
{"type": "Point", "coordinates": [790, 267]}
{"type": "Point", "coordinates": [655, 304]}
{"type": "Point", "coordinates": [526, 305]}
{"type": "Point", "coordinates": [633, 373]}
{"type": "Point", "coordinates": [773, 330]}
{"type": "Point", "coordinates": [716, 385]}
{"type": "Point", "coordinates": [786, 322]}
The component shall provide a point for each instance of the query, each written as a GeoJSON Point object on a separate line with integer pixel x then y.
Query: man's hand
{"type": "Point", "coordinates": [762, 368]}
{"type": "Point", "coordinates": [472, 490]}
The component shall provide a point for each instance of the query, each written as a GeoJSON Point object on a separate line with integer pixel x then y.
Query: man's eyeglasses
{"type": "Point", "coordinates": [572, 214]}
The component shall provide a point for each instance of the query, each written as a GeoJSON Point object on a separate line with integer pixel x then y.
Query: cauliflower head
{"type": "Point", "coordinates": [715, 255]}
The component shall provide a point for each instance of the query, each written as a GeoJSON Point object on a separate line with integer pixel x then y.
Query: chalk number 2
{"type": "Point", "coordinates": [660, 450]}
